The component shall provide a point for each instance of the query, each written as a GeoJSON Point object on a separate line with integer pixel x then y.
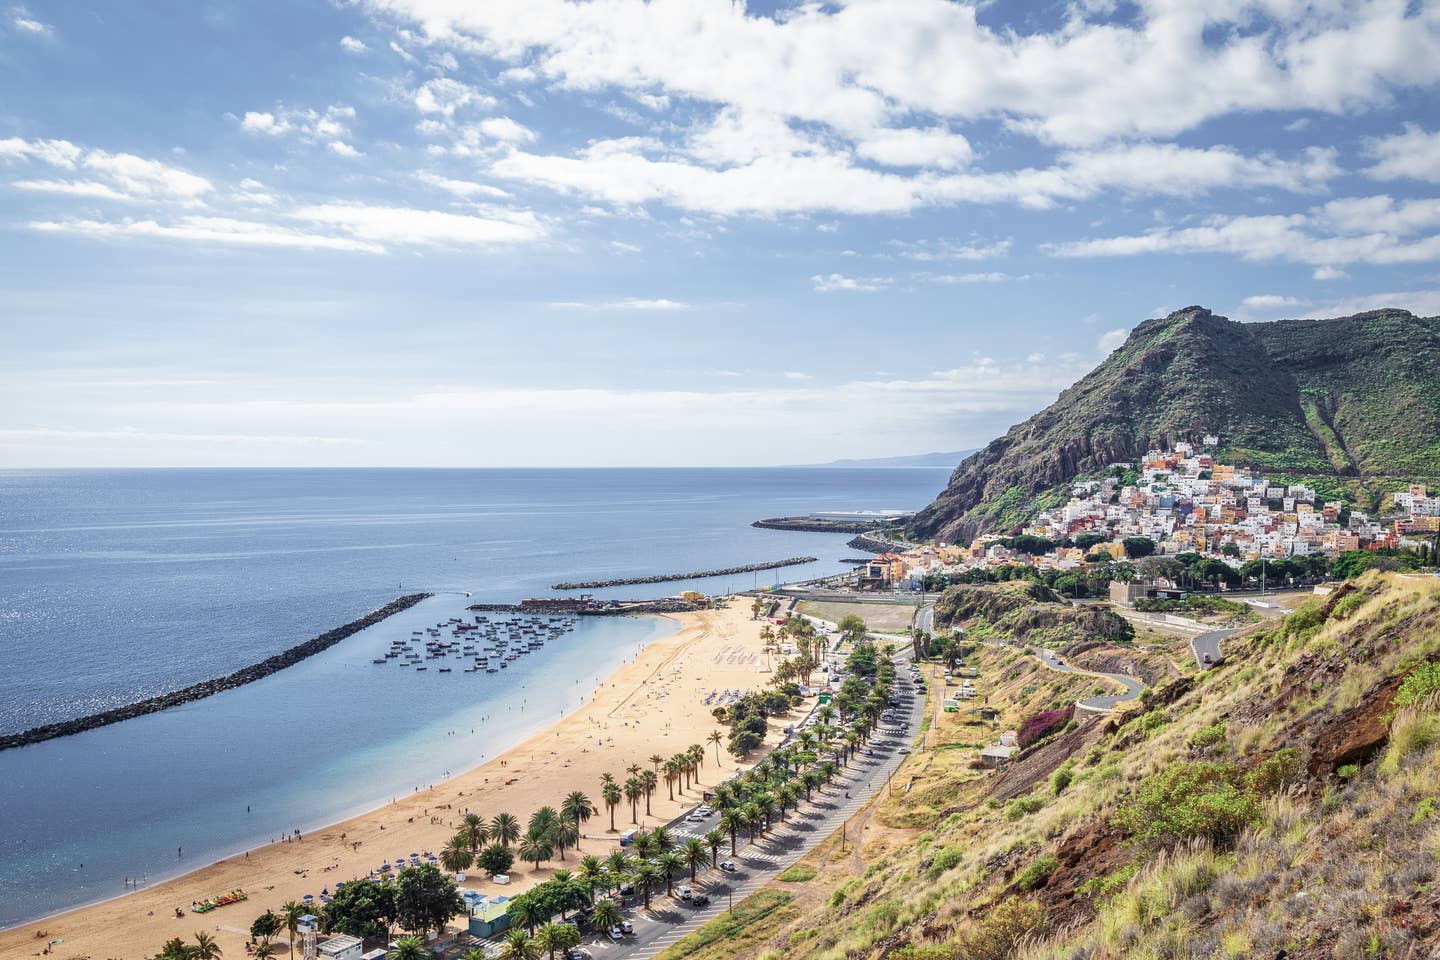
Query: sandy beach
{"type": "Point", "coordinates": [651, 705]}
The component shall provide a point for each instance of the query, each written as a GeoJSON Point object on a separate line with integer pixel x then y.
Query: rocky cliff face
{"type": "Point", "coordinates": [1343, 397]}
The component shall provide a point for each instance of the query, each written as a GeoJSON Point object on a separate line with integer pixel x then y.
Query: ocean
{"type": "Point", "coordinates": [117, 585]}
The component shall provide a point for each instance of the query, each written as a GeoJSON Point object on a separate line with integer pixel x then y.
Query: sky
{"type": "Point", "coordinates": [683, 232]}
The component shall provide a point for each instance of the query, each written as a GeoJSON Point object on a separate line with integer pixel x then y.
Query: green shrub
{"type": "Point", "coordinates": [1347, 605]}
{"type": "Point", "coordinates": [994, 937]}
{"type": "Point", "coordinates": [799, 873]}
{"type": "Point", "coordinates": [1034, 876]}
{"type": "Point", "coordinates": [1424, 810]}
{"type": "Point", "coordinates": [1101, 887]}
{"type": "Point", "coordinates": [945, 859]}
{"type": "Point", "coordinates": [1208, 800]}
{"type": "Point", "coordinates": [1209, 736]}
{"type": "Point", "coordinates": [1418, 684]}
{"type": "Point", "coordinates": [1152, 721]}
{"type": "Point", "coordinates": [1274, 773]}
{"type": "Point", "coordinates": [1022, 806]}
{"type": "Point", "coordinates": [1346, 771]}
{"type": "Point", "coordinates": [843, 891]}
{"type": "Point", "coordinates": [1061, 779]}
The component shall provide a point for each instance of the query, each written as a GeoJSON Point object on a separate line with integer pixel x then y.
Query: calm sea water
{"type": "Point", "coordinates": [117, 585]}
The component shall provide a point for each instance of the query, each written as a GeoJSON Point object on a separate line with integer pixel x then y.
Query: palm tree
{"type": "Point", "coordinates": [504, 829]}
{"type": "Point", "coordinates": [409, 948]}
{"type": "Point", "coordinates": [518, 946]}
{"type": "Point", "coordinates": [457, 855]}
{"type": "Point", "coordinates": [633, 793]}
{"type": "Point", "coordinates": [556, 936]}
{"type": "Point", "coordinates": [263, 951]}
{"type": "Point", "coordinates": [644, 845]}
{"type": "Point", "coordinates": [205, 948]}
{"type": "Point", "coordinates": [633, 769]}
{"type": "Point", "coordinates": [713, 840]}
{"type": "Point", "coordinates": [715, 737]}
{"type": "Point", "coordinates": [668, 862]}
{"type": "Point", "coordinates": [605, 915]}
{"type": "Point", "coordinates": [564, 834]}
{"type": "Point", "coordinates": [731, 821]}
{"type": "Point", "coordinates": [535, 847]}
{"type": "Point", "coordinates": [648, 782]}
{"type": "Point", "coordinates": [473, 827]}
{"type": "Point", "coordinates": [543, 820]}
{"type": "Point", "coordinates": [577, 808]}
{"type": "Point", "coordinates": [751, 814]}
{"type": "Point", "coordinates": [610, 793]}
{"type": "Point", "coordinates": [647, 878]}
{"type": "Point", "coordinates": [656, 760]}
{"type": "Point", "coordinates": [672, 775]}
{"type": "Point", "coordinates": [291, 912]}
{"type": "Point", "coordinates": [694, 855]}
{"type": "Point", "coordinates": [474, 955]}
{"type": "Point", "coordinates": [662, 838]}
{"type": "Point", "coordinates": [618, 863]}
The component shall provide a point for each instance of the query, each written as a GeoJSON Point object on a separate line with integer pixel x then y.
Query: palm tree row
{"type": "Point", "coordinates": [548, 833]}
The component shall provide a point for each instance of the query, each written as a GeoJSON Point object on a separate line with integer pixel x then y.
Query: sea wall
{"type": "Point", "coordinates": [205, 688]}
{"type": "Point", "coordinates": [875, 543]}
{"type": "Point", "coordinates": [817, 525]}
{"type": "Point", "coordinates": [692, 575]}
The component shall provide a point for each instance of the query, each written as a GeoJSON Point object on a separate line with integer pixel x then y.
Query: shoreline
{"type": "Point", "coordinates": [626, 718]}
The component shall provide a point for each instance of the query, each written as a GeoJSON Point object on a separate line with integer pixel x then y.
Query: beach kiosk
{"type": "Point", "coordinates": [341, 947]}
{"type": "Point", "coordinates": [490, 918]}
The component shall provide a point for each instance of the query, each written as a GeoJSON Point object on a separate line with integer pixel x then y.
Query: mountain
{"type": "Point", "coordinates": [914, 460]}
{"type": "Point", "coordinates": [1350, 404]}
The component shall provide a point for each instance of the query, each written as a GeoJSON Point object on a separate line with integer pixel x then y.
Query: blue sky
{"type": "Point", "coordinates": [441, 232]}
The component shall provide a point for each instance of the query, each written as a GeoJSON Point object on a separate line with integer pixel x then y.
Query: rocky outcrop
{"type": "Point", "coordinates": [693, 575]}
{"type": "Point", "coordinates": [206, 688]}
{"type": "Point", "coordinates": [814, 525]}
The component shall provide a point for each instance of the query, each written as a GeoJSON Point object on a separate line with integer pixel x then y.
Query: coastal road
{"type": "Point", "coordinates": [671, 919]}
{"type": "Point", "coordinates": [1133, 686]}
{"type": "Point", "coordinates": [1208, 645]}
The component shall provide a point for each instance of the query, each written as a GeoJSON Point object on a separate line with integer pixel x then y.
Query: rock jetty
{"type": "Point", "coordinates": [875, 543]}
{"type": "Point", "coordinates": [818, 525]}
{"type": "Point", "coordinates": [199, 691]}
{"type": "Point", "coordinates": [693, 575]}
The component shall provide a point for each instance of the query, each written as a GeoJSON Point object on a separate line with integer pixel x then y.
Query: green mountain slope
{"type": "Point", "coordinates": [1348, 400]}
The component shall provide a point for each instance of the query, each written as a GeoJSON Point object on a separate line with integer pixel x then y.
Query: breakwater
{"type": "Point", "coordinates": [692, 575]}
{"type": "Point", "coordinates": [818, 525]}
{"type": "Point", "coordinates": [205, 688]}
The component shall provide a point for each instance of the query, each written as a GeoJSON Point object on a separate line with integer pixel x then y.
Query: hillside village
{"type": "Point", "coordinates": [1179, 501]}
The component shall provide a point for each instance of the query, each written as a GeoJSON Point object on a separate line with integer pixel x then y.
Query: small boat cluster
{"type": "Point", "coordinates": [485, 646]}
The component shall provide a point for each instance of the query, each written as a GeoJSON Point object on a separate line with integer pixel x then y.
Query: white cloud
{"type": "Point", "coordinates": [1329, 273]}
{"type": "Point", "coordinates": [21, 20]}
{"type": "Point", "coordinates": [444, 96]}
{"type": "Point", "coordinates": [1270, 301]}
{"type": "Point", "coordinates": [312, 126]}
{"type": "Point", "coordinates": [626, 303]}
{"type": "Point", "coordinates": [830, 283]}
{"type": "Point", "coordinates": [462, 188]}
{"type": "Point", "coordinates": [797, 375]}
{"type": "Point", "coordinates": [1354, 230]}
{"type": "Point", "coordinates": [402, 225]}
{"type": "Point", "coordinates": [114, 176]}
{"type": "Point", "coordinates": [913, 147]}
{"type": "Point", "coordinates": [507, 130]}
{"type": "Point", "coordinates": [206, 230]}
{"type": "Point", "coordinates": [620, 246]}
{"type": "Point", "coordinates": [932, 250]}
{"type": "Point", "coordinates": [857, 67]}
{"type": "Point", "coordinates": [343, 149]}
{"type": "Point", "coordinates": [1412, 155]}
{"type": "Point", "coordinates": [352, 45]}
{"type": "Point", "coordinates": [987, 277]}
{"type": "Point", "coordinates": [1424, 303]}
{"type": "Point", "coordinates": [1111, 339]}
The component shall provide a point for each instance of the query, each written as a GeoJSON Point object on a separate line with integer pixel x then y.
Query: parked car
{"type": "Point", "coordinates": [700, 900]}
{"type": "Point", "coordinates": [727, 865]}
{"type": "Point", "coordinates": [578, 953]}
{"type": "Point", "coordinates": [627, 927]}
{"type": "Point", "coordinates": [684, 892]}
{"type": "Point", "coordinates": [615, 934]}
